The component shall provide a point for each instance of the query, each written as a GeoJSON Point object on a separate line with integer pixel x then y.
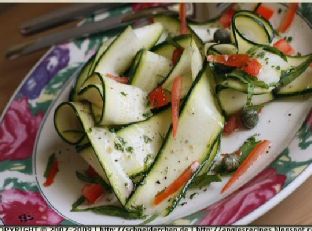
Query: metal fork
{"type": "Point", "coordinates": [199, 12]}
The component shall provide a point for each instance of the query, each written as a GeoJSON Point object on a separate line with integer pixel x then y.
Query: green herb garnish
{"type": "Point", "coordinates": [146, 139]}
{"type": "Point", "coordinates": [51, 160]}
{"type": "Point", "coordinates": [204, 180]}
{"type": "Point", "coordinates": [129, 149]}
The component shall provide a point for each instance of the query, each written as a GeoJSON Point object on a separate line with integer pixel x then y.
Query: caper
{"type": "Point", "coordinates": [231, 162]}
{"type": "Point", "coordinates": [222, 36]}
{"type": "Point", "coordinates": [222, 69]}
{"type": "Point", "coordinates": [249, 117]}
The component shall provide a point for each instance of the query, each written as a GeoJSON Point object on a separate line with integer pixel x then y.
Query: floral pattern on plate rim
{"type": "Point", "coordinates": [21, 121]}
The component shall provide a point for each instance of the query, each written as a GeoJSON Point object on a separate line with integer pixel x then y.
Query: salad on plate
{"type": "Point", "coordinates": [148, 112]}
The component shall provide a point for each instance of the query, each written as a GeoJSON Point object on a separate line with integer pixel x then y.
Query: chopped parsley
{"type": "Point", "coordinates": [147, 114]}
{"type": "Point", "coordinates": [261, 55]}
{"type": "Point", "coordinates": [113, 130]}
{"type": "Point", "coordinates": [119, 147]}
{"type": "Point", "coordinates": [123, 93]}
{"type": "Point", "coordinates": [121, 140]}
{"type": "Point", "coordinates": [192, 195]}
{"type": "Point", "coordinates": [146, 139]}
{"type": "Point", "coordinates": [129, 149]}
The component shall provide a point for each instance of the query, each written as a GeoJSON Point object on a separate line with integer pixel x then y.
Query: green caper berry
{"type": "Point", "coordinates": [231, 162]}
{"type": "Point", "coordinates": [249, 117]}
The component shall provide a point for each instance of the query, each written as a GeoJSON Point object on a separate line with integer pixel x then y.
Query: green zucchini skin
{"type": "Point", "coordinates": [232, 101]}
{"type": "Point", "coordinates": [301, 85]}
{"type": "Point", "coordinates": [242, 42]}
{"type": "Point", "coordinates": [75, 123]}
{"type": "Point", "coordinates": [109, 59]}
{"type": "Point", "coordinates": [209, 162]}
{"type": "Point", "coordinates": [222, 49]}
{"type": "Point", "coordinates": [172, 26]}
{"type": "Point", "coordinates": [201, 86]}
{"type": "Point", "coordinates": [149, 70]}
{"type": "Point", "coordinates": [292, 74]}
{"type": "Point", "coordinates": [80, 79]}
{"type": "Point", "coordinates": [167, 48]}
{"type": "Point", "coordinates": [110, 104]}
{"type": "Point", "coordinates": [188, 66]}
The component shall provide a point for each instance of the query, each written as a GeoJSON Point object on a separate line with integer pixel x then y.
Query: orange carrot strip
{"type": "Point", "coordinates": [182, 17]}
{"type": "Point", "coordinates": [177, 184]}
{"type": "Point", "coordinates": [289, 17]}
{"type": "Point", "coordinates": [252, 157]}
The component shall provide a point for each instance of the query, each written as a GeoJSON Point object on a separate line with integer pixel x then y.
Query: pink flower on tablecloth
{"type": "Point", "coordinates": [240, 203]}
{"type": "Point", "coordinates": [18, 131]}
{"type": "Point", "coordinates": [26, 208]}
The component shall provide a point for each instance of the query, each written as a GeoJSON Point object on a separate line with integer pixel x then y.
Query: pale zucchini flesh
{"type": "Point", "coordinates": [167, 48]}
{"type": "Point", "coordinates": [144, 140]}
{"type": "Point", "coordinates": [105, 44]}
{"type": "Point", "coordinates": [102, 141]}
{"type": "Point", "coordinates": [188, 67]}
{"type": "Point", "coordinates": [67, 124]}
{"type": "Point", "coordinates": [114, 103]}
{"type": "Point", "coordinates": [200, 123]}
{"type": "Point", "coordinates": [150, 70]}
{"type": "Point", "coordinates": [149, 35]}
{"type": "Point", "coordinates": [171, 24]}
{"type": "Point", "coordinates": [242, 87]}
{"type": "Point", "coordinates": [128, 152]}
{"type": "Point", "coordinates": [301, 85]}
{"type": "Point", "coordinates": [90, 157]}
{"type": "Point", "coordinates": [115, 62]}
{"type": "Point", "coordinates": [81, 78]}
{"type": "Point", "coordinates": [233, 101]}
{"type": "Point", "coordinates": [249, 29]}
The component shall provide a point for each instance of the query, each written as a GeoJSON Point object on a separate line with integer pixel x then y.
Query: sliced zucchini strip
{"type": "Point", "coordinates": [298, 65]}
{"type": "Point", "coordinates": [188, 67]}
{"type": "Point", "coordinates": [68, 124]}
{"type": "Point", "coordinates": [300, 85]}
{"type": "Point", "coordinates": [171, 24]}
{"type": "Point", "coordinates": [200, 123]}
{"type": "Point", "coordinates": [276, 69]}
{"type": "Point", "coordinates": [142, 142]}
{"type": "Point", "coordinates": [205, 31]}
{"type": "Point", "coordinates": [81, 78]}
{"type": "Point", "coordinates": [272, 66]}
{"type": "Point", "coordinates": [114, 103]}
{"type": "Point", "coordinates": [149, 70]}
{"type": "Point", "coordinates": [242, 87]}
{"type": "Point", "coordinates": [138, 144]}
{"type": "Point", "coordinates": [250, 29]}
{"type": "Point", "coordinates": [149, 35]}
{"type": "Point", "coordinates": [167, 47]}
{"type": "Point", "coordinates": [233, 101]}
{"type": "Point", "coordinates": [209, 162]}
{"type": "Point", "coordinates": [90, 157]}
{"type": "Point", "coordinates": [117, 58]}
{"type": "Point", "coordinates": [102, 141]}
{"type": "Point", "coordinates": [227, 49]}
{"type": "Point", "coordinates": [128, 152]}
{"type": "Point", "coordinates": [105, 44]}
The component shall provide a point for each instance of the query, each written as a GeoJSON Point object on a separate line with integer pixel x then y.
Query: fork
{"type": "Point", "coordinates": [199, 12]}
